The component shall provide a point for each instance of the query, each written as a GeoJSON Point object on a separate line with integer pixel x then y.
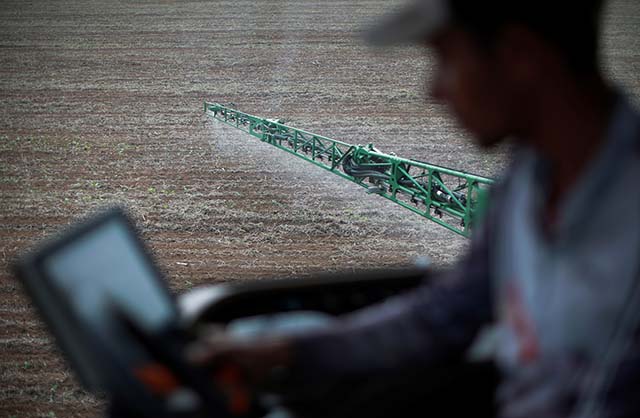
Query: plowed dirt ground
{"type": "Point", "coordinates": [101, 103]}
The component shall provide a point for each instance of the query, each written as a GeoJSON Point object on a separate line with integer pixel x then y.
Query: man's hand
{"type": "Point", "coordinates": [259, 362]}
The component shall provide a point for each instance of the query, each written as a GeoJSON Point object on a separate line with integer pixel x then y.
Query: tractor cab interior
{"type": "Point", "coordinates": [88, 282]}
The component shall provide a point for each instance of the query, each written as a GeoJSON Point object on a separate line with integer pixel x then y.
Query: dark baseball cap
{"type": "Point", "coordinates": [419, 20]}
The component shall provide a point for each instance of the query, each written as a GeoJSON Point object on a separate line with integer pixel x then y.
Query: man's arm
{"type": "Point", "coordinates": [415, 330]}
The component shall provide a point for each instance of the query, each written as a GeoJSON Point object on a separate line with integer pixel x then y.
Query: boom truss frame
{"type": "Point", "coordinates": [451, 198]}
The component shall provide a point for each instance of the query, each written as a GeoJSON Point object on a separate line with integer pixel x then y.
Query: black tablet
{"type": "Point", "coordinates": [78, 280]}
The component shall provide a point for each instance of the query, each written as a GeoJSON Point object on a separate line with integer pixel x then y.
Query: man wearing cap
{"type": "Point", "coordinates": [549, 287]}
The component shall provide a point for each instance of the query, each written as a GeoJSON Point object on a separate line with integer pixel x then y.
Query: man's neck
{"type": "Point", "coordinates": [571, 127]}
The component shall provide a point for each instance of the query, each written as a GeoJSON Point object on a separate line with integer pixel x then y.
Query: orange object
{"type": "Point", "coordinates": [229, 380]}
{"type": "Point", "coordinates": [157, 378]}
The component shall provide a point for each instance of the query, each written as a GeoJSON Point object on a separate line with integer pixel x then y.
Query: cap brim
{"type": "Point", "coordinates": [414, 23]}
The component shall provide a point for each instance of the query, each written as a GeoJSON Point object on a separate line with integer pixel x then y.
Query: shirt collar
{"type": "Point", "coordinates": [622, 135]}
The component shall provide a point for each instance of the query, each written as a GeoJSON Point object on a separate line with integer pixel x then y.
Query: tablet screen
{"type": "Point", "coordinates": [91, 274]}
{"type": "Point", "coordinates": [106, 267]}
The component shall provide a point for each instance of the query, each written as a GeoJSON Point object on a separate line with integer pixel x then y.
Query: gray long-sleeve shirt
{"type": "Point", "coordinates": [562, 302]}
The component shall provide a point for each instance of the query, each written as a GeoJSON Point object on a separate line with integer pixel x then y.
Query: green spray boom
{"type": "Point", "coordinates": [451, 198]}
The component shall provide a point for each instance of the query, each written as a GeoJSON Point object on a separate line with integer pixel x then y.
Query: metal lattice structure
{"type": "Point", "coordinates": [448, 197]}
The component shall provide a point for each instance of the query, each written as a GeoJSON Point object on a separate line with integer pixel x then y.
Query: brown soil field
{"type": "Point", "coordinates": [101, 104]}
